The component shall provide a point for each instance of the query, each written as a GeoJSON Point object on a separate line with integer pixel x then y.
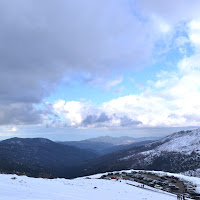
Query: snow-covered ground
{"type": "Point", "coordinates": [195, 172]}
{"type": "Point", "coordinates": [25, 188]}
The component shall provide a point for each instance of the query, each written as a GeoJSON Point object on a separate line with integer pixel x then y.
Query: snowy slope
{"type": "Point", "coordinates": [194, 172]}
{"type": "Point", "coordinates": [179, 152]}
{"type": "Point", "coordinates": [25, 188]}
{"type": "Point", "coordinates": [184, 142]}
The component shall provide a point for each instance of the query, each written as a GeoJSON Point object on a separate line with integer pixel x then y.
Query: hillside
{"type": "Point", "coordinates": [178, 152]}
{"type": "Point", "coordinates": [40, 157]}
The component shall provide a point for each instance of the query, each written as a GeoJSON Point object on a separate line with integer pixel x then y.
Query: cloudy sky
{"type": "Point", "coordinates": [76, 69]}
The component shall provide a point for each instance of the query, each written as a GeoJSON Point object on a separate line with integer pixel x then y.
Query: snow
{"type": "Point", "coordinates": [25, 188]}
{"type": "Point", "coordinates": [184, 142]}
{"type": "Point", "coordinates": [195, 172]}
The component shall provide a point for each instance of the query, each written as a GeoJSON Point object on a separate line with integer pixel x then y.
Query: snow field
{"type": "Point", "coordinates": [25, 188]}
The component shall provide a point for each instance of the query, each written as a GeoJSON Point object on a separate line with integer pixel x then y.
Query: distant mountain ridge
{"type": "Point", "coordinates": [107, 144]}
{"type": "Point", "coordinates": [123, 140]}
{"type": "Point", "coordinates": [123, 147]}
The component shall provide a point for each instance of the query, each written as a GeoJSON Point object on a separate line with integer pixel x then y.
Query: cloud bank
{"type": "Point", "coordinates": [170, 101]}
{"type": "Point", "coordinates": [43, 43]}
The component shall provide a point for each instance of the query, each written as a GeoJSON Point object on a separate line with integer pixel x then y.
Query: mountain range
{"type": "Point", "coordinates": [107, 144]}
{"type": "Point", "coordinates": [39, 157]}
{"type": "Point", "coordinates": [178, 152]}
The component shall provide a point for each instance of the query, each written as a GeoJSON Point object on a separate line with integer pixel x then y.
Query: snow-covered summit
{"type": "Point", "coordinates": [178, 152]}
{"type": "Point", "coordinates": [184, 142]}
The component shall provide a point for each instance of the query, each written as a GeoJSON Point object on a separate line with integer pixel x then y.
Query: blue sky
{"type": "Point", "coordinates": [74, 70]}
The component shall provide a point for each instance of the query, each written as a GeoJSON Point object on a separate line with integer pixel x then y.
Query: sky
{"type": "Point", "coordinates": [71, 70]}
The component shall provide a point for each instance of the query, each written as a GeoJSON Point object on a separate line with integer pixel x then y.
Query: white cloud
{"type": "Point", "coordinates": [14, 129]}
{"type": "Point", "coordinates": [113, 83]}
{"type": "Point", "coordinates": [189, 64]}
{"type": "Point", "coordinates": [102, 82]}
{"type": "Point", "coordinates": [79, 114]}
{"type": "Point", "coordinates": [8, 130]}
{"type": "Point", "coordinates": [104, 36]}
{"type": "Point", "coordinates": [160, 25]}
{"type": "Point", "coordinates": [194, 33]}
{"type": "Point", "coordinates": [74, 111]}
{"type": "Point", "coordinates": [171, 101]}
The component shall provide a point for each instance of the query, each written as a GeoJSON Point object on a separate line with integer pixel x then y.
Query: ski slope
{"type": "Point", "coordinates": [25, 188]}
